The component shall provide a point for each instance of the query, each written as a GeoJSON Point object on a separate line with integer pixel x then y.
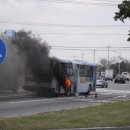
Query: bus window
{"type": "Point", "coordinates": [69, 71]}
{"type": "Point", "coordinates": [86, 71]}
{"type": "Point", "coordinates": [68, 68]}
{"type": "Point", "coordinates": [90, 72]}
{"type": "Point", "coordinates": [82, 70]}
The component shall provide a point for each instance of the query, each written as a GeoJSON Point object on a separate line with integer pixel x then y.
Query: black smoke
{"type": "Point", "coordinates": [11, 69]}
{"type": "Point", "coordinates": [34, 52]}
{"type": "Point", "coordinates": [59, 72]}
{"type": "Point", "coordinates": [27, 53]}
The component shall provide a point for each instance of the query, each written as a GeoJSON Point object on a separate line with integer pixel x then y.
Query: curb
{"type": "Point", "coordinates": [99, 128]}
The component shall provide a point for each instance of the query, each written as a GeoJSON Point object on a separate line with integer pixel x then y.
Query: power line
{"type": "Point", "coordinates": [74, 49]}
{"type": "Point", "coordinates": [110, 0]}
{"type": "Point", "coordinates": [80, 34]}
{"type": "Point", "coordinates": [99, 3]}
{"type": "Point", "coordinates": [90, 47]}
{"type": "Point", "coordinates": [65, 25]}
{"type": "Point", "coordinates": [105, 48]}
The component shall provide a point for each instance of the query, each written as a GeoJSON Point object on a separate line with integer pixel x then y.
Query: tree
{"type": "Point", "coordinates": [124, 12]}
{"type": "Point", "coordinates": [103, 62]}
{"type": "Point", "coordinates": [114, 64]}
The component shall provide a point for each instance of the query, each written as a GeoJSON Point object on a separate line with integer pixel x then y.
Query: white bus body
{"type": "Point", "coordinates": [81, 73]}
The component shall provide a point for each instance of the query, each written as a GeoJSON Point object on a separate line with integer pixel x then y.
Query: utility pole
{"type": "Point", "coordinates": [108, 57]}
{"type": "Point", "coordinates": [94, 56]}
{"type": "Point", "coordinates": [82, 55]}
{"type": "Point", "coordinates": [119, 68]}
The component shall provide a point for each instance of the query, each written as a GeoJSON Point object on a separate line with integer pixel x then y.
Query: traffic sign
{"type": "Point", "coordinates": [2, 51]}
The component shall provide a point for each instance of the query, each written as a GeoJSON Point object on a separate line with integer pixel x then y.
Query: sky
{"type": "Point", "coordinates": [75, 29]}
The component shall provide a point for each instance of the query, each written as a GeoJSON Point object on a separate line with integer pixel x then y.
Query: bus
{"type": "Point", "coordinates": [81, 73]}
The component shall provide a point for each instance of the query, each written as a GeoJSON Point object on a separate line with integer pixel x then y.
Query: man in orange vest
{"type": "Point", "coordinates": [67, 84]}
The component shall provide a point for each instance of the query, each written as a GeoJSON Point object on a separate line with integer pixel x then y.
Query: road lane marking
{"type": "Point", "coordinates": [111, 91]}
{"type": "Point", "coordinates": [121, 96]}
{"type": "Point", "coordinates": [38, 100]}
{"type": "Point", "coordinates": [87, 100]}
{"type": "Point", "coordinates": [27, 101]}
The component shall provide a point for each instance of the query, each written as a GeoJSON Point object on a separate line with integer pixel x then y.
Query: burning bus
{"type": "Point", "coordinates": [80, 74]}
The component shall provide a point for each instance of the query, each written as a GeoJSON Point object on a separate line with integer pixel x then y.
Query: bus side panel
{"type": "Point", "coordinates": [83, 84]}
{"type": "Point", "coordinates": [86, 78]}
{"type": "Point", "coordinates": [57, 86]}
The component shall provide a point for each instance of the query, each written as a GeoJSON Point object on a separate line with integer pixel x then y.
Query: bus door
{"type": "Point", "coordinates": [75, 77]}
{"type": "Point", "coordinates": [82, 79]}
{"type": "Point", "coordinates": [94, 78]}
{"type": "Point", "coordinates": [67, 71]}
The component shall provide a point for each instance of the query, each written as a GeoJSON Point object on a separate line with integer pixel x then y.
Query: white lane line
{"type": "Point", "coordinates": [39, 100]}
{"type": "Point", "coordinates": [114, 91]}
{"type": "Point", "coordinates": [121, 96]}
{"type": "Point", "coordinates": [87, 100]}
{"type": "Point", "coordinates": [27, 101]}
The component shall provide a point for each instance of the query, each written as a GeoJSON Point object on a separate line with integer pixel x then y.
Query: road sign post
{"type": "Point", "coordinates": [2, 51]}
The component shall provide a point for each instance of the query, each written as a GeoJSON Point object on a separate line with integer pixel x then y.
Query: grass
{"type": "Point", "coordinates": [112, 114]}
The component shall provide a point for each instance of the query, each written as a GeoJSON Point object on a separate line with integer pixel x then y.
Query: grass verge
{"type": "Point", "coordinates": [111, 114]}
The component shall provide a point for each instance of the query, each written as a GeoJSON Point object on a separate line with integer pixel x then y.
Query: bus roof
{"type": "Point", "coordinates": [79, 62]}
{"type": "Point", "coordinates": [65, 61]}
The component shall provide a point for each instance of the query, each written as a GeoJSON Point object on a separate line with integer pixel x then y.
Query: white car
{"type": "Point", "coordinates": [127, 75]}
{"type": "Point", "coordinates": [102, 82]}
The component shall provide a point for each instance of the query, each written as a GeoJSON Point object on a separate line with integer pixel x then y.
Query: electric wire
{"type": "Point", "coordinates": [105, 3]}
{"type": "Point", "coordinates": [66, 25]}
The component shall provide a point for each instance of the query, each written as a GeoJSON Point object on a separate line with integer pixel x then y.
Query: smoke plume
{"type": "Point", "coordinates": [34, 52]}
{"type": "Point", "coordinates": [11, 68]}
{"type": "Point", "coordinates": [27, 53]}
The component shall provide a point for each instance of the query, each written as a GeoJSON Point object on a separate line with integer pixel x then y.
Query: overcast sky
{"type": "Point", "coordinates": [70, 23]}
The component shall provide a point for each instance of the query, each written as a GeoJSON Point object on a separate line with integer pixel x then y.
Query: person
{"type": "Point", "coordinates": [67, 85]}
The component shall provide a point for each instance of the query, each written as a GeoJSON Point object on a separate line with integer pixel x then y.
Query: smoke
{"type": "Point", "coordinates": [59, 72]}
{"type": "Point", "coordinates": [34, 52]}
{"type": "Point", "coordinates": [11, 68]}
{"type": "Point", "coordinates": [27, 53]}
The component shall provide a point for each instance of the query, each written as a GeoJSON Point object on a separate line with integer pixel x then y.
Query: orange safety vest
{"type": "Point", "coordinates": [67, 83]}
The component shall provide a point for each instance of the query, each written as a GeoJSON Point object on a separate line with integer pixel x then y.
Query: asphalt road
{"type": "Point", "coordinates": [115, 91]}
{"type": "Point", "coordinates": [22, 104]}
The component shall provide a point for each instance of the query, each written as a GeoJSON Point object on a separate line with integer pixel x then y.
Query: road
{"type": "Point", "coordinates": [24, 105]}
{"type": "Point", "coordinates": [115, 91]}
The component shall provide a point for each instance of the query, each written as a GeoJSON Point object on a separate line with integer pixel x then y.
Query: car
{"type": "Point", "coordinates": [127, 75]}
{"type": "Point", "coordinates": [120, 79]}
{"type": "Point", "coordinates": [102, 82]}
